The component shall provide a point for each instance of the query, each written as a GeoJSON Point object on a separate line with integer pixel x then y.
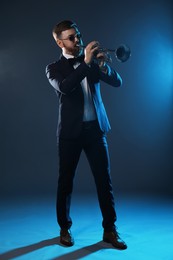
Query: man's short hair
{"type": "Point", "coordinates": [62, 26]}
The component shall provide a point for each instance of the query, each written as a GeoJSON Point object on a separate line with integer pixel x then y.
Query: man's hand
{"type": "Point", "coordinates": [90, 50]}
{"type": "Point", "coordinates": [102, 59]}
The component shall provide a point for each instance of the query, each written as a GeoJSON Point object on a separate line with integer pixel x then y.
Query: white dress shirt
{"type": "Point", "coordinates": [89, 109]}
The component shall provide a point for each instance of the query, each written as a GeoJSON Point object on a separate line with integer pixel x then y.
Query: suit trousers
{"type": "Point", "coordinates": [93, 142]}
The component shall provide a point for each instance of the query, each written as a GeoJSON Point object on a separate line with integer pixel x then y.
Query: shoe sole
{"type": "Point", "coordinates": [117, 247]}
{"type": "Point", "coordinates": [66, 243]}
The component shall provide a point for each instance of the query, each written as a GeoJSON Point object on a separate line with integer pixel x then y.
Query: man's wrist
{"type": "Point", "coordinates": [104, 67]}
{"type": "Point", "coordinates": [87, 63]}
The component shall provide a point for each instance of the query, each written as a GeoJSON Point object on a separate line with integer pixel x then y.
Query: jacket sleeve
{"type": "Point", "coordinates": [111, 77]}
{"type": "Point", "coordinates": [65, 84]}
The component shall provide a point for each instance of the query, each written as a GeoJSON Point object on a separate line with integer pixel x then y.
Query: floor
{"type": "Point", "coordinates": [28, 229]}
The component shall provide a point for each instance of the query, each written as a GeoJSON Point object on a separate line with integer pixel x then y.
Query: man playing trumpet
{"type": "Point", "coordinates": [82, 125]}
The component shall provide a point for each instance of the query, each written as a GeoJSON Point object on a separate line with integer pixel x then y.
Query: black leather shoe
{"type": "Point", "coordinates": [113, 238]}
{"type": "Point", "coordinates": [66, 237]}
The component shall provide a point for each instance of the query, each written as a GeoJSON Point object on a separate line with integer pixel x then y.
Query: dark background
{"type": "Point", "coordinates": [141, 115]}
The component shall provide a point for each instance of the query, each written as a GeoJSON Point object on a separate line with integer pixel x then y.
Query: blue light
{"type": "Point", "coordinates": [148, 110]}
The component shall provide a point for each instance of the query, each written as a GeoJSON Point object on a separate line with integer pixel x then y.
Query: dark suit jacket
{"type": "Point", "coordinates": [66, 81]}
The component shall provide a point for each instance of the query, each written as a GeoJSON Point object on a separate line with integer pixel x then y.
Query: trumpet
{"type": "Point", "coordinates": [122, 53]}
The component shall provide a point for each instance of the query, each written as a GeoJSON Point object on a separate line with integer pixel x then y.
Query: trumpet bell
{"type": "Point", "coordinates": [122, 53]}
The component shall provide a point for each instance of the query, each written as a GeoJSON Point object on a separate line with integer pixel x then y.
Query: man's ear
{"type": "Point", "coordinates": [59, 43]}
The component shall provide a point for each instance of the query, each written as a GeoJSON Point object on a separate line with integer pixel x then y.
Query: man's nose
{"type": "Point", "coordinates": [76, 38]}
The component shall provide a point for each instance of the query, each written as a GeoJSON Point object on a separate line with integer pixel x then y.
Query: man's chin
{"type": "Point", "coordinates": [77, 52]}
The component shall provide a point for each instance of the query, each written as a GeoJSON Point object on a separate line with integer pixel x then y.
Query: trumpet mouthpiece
{"type": "Point", "coordinates": [79, 45]}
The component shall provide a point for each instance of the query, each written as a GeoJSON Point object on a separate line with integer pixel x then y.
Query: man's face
{"type": "Point", "coordinates": [69, 40]}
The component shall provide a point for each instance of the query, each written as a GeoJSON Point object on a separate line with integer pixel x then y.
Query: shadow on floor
{"type": "Point", "coordinates": [82, 252]}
